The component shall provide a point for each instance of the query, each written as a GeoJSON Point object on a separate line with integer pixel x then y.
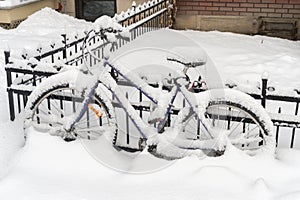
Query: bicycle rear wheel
{"type": "Point", "coordinates": [53, 109]}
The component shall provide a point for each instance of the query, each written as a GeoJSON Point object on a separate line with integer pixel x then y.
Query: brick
{"type": "Point", "coordinates": [233, 4]}
{"type": "Point", "coordinates": [246, 14]}
{"type": "Point", "coordinates": [294, 2]}
{"type": "Point", "coordinates": [240, 9]}
{"type": "Point", "coordinates": [194, 3]}
{"type": "Point", "coordinates": [226, 1]}
{"type": "Point", "coordinates": [254, 1]}
{"type": "Point", "coordinates": [219, 13]}
{"type": "Point", "coordinates": [240, 1]}
{"type": "Point", "coordinates": [212, 8]}
{"type": "Point", "coordinates": [205, 4]}
{"type": "Point", "coordinates": [219, 4]}
{"type": "Point", "coordinates": [281, 10]}
{"type": "Point", "coordinates": [275, 5]}
{"type": "Point", "coordinates": [274, 15]}
{"type": "Point", "coordinates": [180, 9]}
{"type": "Point", "coordinates": [181, 3]}
{"type": "Point", "coordinates": [294, 11]}
{"type": "Point", "coordinates": [225, 9]}
{"type": "Point", "coordinates": [288, 6]}
{"type": "Point", "coordinates": [253, 9]}
{"type": "Point", "coordinates": [287, 15]}
{"type": "Point", "coordinates": [186, 7]}
{"type": "Point", "coordinates": [282, 1]}
{"type": "Point", "coordinates": [297, 16]}
{"type": "Point", "coordinates": [247, 5]}
{"type": "Point", "coordinates": [268, 10]}
{"type": "Point", "coordinates": [260, 14]}
{"type": "Point", "coordinates": [260, 5]}
{"type": "Point", "coordinates": [199, 8]}
{"type": "Point", "coordinates": [205, 13]}
{"type": "Point", "coordinates": [268, 1]}
{"type": "Point", "coordinates": [297, 6]}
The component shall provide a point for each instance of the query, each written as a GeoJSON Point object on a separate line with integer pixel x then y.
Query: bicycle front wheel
{"type": "Point", "coordinates": [244, 121]}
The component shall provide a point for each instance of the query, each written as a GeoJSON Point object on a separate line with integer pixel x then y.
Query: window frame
{"type": "Point", "coordinates": [79, 10]}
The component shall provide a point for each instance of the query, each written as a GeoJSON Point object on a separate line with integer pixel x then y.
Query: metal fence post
{"type": "Point", "coordinates": [127, 123]}
{"type": "Point", "coordinates": [264, 89]}
{"type": "Point", "coordinates": [6, 55]}
{"type": "Point", "coordinates": [65, 45]}
{"type": "Point", "coordinates": [9, 82]}
{"type": "Point", "coordinates": [277, 128]}
{"type": "Point", "coordinates": [294, 129]}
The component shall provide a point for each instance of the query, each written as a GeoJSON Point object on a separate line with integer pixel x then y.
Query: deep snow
{"type": "Point", "coordinates": [48, 168]}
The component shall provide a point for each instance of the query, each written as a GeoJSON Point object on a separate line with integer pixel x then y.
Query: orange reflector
{"type": "Point", "coordinates": [95, 111]}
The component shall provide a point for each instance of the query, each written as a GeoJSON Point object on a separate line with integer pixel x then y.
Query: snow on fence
{"type": "Point", "coordinates": [25, 72]}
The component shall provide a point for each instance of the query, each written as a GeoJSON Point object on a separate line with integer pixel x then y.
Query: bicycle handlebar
{"type": "Point", "coordinates": [109, 34]}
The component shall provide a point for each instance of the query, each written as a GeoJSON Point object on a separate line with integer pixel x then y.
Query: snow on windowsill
{"type": "Point", "coordinates": [10, 4]}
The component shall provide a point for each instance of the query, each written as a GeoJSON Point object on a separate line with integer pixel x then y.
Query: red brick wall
{"type": "Point", "coordinates": [263, 8]}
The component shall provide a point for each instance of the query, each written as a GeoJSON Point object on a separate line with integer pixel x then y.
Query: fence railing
{"type": "Point", "coordinates": [25, 72]}
{"type": "Point", "coordinates": [277, 101]}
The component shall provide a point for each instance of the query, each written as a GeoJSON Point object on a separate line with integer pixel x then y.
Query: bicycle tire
{"type": "Point", "coordinates": [48, 110]}
{"type": "Point", "coordinates": [249, 127]}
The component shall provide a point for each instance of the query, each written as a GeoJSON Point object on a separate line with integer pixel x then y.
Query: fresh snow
{"type": "Point", "coordinates": [48, 168]}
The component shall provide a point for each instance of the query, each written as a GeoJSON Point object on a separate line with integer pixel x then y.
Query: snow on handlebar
{"type": "Point", "coordinates": [111, 28]}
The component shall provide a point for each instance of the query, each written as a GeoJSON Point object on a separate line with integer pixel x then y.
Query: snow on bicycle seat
{"type": "Point", "coordinates": [188, 56]}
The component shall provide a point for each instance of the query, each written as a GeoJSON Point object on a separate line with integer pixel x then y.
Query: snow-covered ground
{"type": "Point", "coordinates": [48, 168]}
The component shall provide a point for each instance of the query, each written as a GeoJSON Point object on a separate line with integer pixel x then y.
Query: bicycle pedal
{"type": "Point", "coordinates": [152, 148]}
{"type": "Point", "coordinates": [69, 139]}
{"type": "Point", "coordinates": [142, 143]}
{"type": "Point", "coordinates": [215, 153]}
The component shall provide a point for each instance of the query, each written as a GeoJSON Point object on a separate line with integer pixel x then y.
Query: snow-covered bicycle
{"type": "Point", "coordinates": [76, 104]}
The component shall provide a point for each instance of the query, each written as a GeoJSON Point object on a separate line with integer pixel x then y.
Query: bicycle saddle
{"type": "Point", "coordinates": [187, 56]}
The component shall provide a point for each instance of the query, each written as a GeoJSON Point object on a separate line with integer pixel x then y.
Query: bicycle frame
{"type": "Point", "coordinates": [142, 127]}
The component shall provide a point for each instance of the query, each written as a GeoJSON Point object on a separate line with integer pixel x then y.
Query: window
{"type": "Point", "coordinates": [92, 9]}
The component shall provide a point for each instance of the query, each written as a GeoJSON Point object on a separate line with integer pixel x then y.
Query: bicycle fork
{"type": "Point", "coordinates": [84, 108]}
{"type": "Point", "coordinates": [194, 106]}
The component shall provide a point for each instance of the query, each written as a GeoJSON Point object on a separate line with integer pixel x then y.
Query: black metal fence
{"type": "Point", "coordinates": [276, 101]}
{"type": "Point", "coordinates": [25, 73]}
